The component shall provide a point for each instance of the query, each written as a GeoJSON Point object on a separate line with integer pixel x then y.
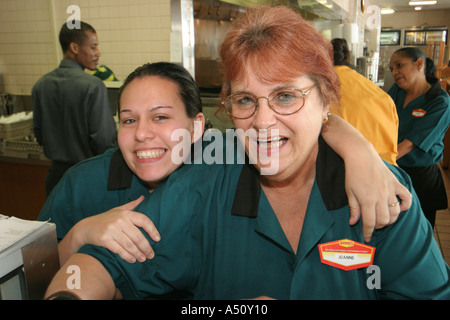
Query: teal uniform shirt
{"type": "Point", "coordinates": [424, 123]}
{"type": "Point", "coordinates": [91, 187]}
{"type": "Point", "coordinates": [220, 239]}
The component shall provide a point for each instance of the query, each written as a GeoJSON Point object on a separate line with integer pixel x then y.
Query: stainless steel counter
{"type": "Point", "coordinates": [28, 265]}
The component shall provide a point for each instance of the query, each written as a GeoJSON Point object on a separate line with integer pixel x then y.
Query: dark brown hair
{"type": "Point", "coordinates": [187, 89]}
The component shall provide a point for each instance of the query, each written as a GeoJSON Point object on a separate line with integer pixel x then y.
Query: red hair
{"type": "Point", "coordinates": [278, 45]}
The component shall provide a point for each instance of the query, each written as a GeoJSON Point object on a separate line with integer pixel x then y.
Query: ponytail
{"type": "Point", "coordinates": [430, 74]}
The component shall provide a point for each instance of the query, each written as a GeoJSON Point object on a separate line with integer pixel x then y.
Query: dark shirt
{"type": "Point", "coordinates": [71, 114]}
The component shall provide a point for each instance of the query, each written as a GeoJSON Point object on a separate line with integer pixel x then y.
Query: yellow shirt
{"type": "Point", "coordinates": [370, 110]}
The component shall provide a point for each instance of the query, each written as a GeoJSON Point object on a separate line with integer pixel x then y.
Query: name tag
{"type": "Point", "coordinates": [418, 113]}
{"type": "Point", "coordinates": [346, 254]}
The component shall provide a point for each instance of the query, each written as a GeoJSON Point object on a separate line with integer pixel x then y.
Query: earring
{"type": "Point", "coordinates": [325, 119]}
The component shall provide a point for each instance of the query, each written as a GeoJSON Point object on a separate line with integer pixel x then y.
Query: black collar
{"type": "Point", "coordinates": [330, 176]}
{"type": "Point", "coordinates": [120, 175]}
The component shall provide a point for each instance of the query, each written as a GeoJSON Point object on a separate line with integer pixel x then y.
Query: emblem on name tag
{"type": "Point", "coordinates": [346, 254]}
{"type": "Point", "coordinates": [418, 113]}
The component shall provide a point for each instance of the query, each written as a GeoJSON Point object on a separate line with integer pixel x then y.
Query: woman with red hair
{"type": "Point", "coordinates": [279, 81]}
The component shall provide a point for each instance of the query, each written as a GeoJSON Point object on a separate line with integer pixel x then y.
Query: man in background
{"type": "Point", "coordinates": [72, 118]}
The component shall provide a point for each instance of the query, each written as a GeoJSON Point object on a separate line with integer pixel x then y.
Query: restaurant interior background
{"type": "Point", "coordinates": [133, 32]}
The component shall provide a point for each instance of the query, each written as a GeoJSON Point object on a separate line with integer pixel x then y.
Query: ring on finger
{"type": "Point", "coordinates": [394, 204]}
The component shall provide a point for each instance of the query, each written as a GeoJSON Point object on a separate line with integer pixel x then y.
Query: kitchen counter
{"type": "Point", "coordinates": [30, 161]}
{"type": "Point", "coordinates": [22, 186]}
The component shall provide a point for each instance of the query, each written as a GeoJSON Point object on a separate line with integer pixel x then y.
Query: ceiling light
{"type": "Point", "coordinates": [417, 8]}
{"type": "Point", "coordinates": [387, 11]}
{"type": "Point", "coordinates": [421, 3]}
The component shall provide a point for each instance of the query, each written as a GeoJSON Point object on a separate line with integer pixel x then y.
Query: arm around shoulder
{"type": "Point", "coordinates": [370, 185]}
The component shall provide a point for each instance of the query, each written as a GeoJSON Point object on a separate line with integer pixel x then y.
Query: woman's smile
{"type": "Point", "coordinates": [271, 143]}
{"type": "Point", "coordinates": [153, 154]}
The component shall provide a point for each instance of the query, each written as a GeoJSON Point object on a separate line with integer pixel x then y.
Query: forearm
{"type": "Point", "coordinates": [69, 245]}
{"type": "Point", "coordinates": [344, 139]}
{"type": "Point", "coordinates": [404, 148]}
{"type": "Point", "coordinates": [36, 117]}
{"type": "Point", "coordinates": [85, 277]}
{"type": "Point", "coordinates": [370, 185]}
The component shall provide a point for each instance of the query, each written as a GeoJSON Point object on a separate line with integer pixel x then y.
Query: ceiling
{"type": "Point", "coordinates": [402, 5]}
{"type": "Point", "coordinates": [230, 9]}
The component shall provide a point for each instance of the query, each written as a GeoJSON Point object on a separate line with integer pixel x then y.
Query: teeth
{"type": "Point", "coordinates": [270, 143]}
{"type": "Point", "coordinates": [269, 139]}
{"type": "Point", "coordinates": [150, 154]}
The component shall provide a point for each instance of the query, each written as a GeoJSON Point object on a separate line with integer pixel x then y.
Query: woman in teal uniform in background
{"type": "Point", "coordinates": [423, 109]}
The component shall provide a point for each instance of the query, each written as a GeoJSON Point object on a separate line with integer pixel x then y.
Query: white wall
{"type": "Point", "coordinates": [130, 32]}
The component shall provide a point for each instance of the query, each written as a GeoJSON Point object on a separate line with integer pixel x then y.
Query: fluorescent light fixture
{"type": "Point", "coordinates": [387, 11]}
{"type": "Point", "coordinates": [417, 8]}
{"type": "Point", "coordinates": [421, 3]}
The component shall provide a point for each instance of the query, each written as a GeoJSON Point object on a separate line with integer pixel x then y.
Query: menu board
{"type": "Point", "coordinates": [415, 37]}
{"type": "Point", "coordinates": [390, 37]}
{"type": "Point", "coordinates": [424, 37]}
{"type": "Point", "coordinates": [437, 36]}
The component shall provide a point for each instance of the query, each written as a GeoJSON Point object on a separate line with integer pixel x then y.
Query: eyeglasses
{"type": "Point", "coordinates": [283, 101]}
